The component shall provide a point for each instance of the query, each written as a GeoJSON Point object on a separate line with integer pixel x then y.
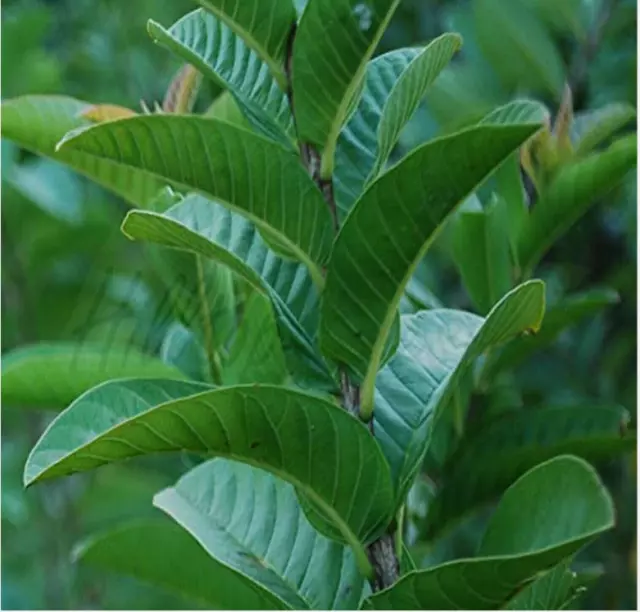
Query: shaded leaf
{"type": "Point", "coordinates": [53, 375]}
{"type": "Point", "coordinates": [316, 445]}
{"type": "Point", "coordinates": [250, 521]}
{"type": "Point", "coordinates": [592, 129]}
{"type": "Point", "coordinates": [402, 212]}
{"type": "Point", "coordinates": [38, 123]}
{"type": "Point", "coordinates": [163, 554]}
{"type": "Point", "coordinates": [181, 349]}
{"type": "Point", "coordinates": [329, 63]}
{"type": "Point", "coordinates": [242, 170]}
{"type": "Point", "coordinates": [492, 458]}
{"type": "Point", "coordinates": [545, 517]}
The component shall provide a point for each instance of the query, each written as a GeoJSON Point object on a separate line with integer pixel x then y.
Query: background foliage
{"type": "Point", "coordinates": [68, 273]}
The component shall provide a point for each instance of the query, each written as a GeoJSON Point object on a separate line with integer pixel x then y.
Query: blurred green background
{"type": "Point", "coordinates": [69, 274]}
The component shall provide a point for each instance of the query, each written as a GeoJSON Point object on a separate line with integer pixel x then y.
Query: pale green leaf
{"type": "Point", "coordinates": [549, 592]}
{"type": "Point", "coordinates": [576, 187]}
{"type": "Point", "coordinates": [256, 354]}
{"type": "Point", "coordinates": [163, 554]}
{"type": "Point", "coordinates": [414, 411]}
{"type": "Point", "coordinates": [333, 44]}
{"type": "Point", "coordinates": [251, 175]}
{"type": "Point", "coordinates": [207, 43]}
{"type": "Point", "coordinates": [492, 458]}
{"type": "Point", "coordinates": [251, 522]}
{"type": "Point", "coordinates": [53, 375]}
{"type": "Point", "coordinates": [38, 123]}
{"type": "Point", "coordinates": [591, 129]}
{"type": "Point", "coordinates": [408, 91]}
{"type": "Point", "coordinates": [181, 349]}
{"type": "Point", "coordinates": [312, 443]}
{"type": "Point", "coordinates": [208, 229]}
{"type": "Point", "coordinates": [263, 25]}
{"type": "Point", "coordinates": [388, 232]}
{"type": "Point", "coordinates": [546, 516]}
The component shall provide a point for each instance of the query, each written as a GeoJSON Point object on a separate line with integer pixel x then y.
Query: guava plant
{"type": "Point", "coordinates": [288, 228]}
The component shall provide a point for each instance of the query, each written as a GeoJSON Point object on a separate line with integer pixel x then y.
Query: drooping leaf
{"type": "Point", "coordinates": [38, 123]}
{"type": "Point", "coordinates": [207, 43]}
{"type": "Point", "coordinates": [203, 227]}
{"type": "Point", "coordinates": [238, 168]}
{"type": "Point", "coordinates": [251, 522]}
{"type": "Point", "coordinates": [314, 444]}
{"type": "Point", "coordinates": [163, 554]}
{"type": "Point", "coordinates": [414, 392]}
{"type": "Point", "coordinates": [576, 187]}
{"type": "Point", "coordinates": [545, 517]}
{"type": "Point", "coordinates": [408, 92]}
{"type": "Point", "coordinates": [333, 44]}
{"type": "Point", "coordinates": [591, 129]}
{"type": "Point", "coordinates": [402, 212]}
{"type": "Point", "coordinates": [481, 252]}
{"type": "Point", "coordinates": [53, 375]}
{"type": "Point", "coordinates": [568, 311]}
{"type": "Point", "coordinates": [256, 353]}
{"type": "Point", "coordinates": [263, 25]}
{"type": "Point", "coordinates": [491, 459]}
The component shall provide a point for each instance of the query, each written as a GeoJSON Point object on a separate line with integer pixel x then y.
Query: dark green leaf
{"type": "Point", "coordinates": [163, 554]}
{"type": "Point", "coordinates": [545, 517]}
{"type": "Point", "coordinates": [251, 522]}
{"type": "Point", "coordinates": [240, 169]}
{"type": "Point", "coordinates": [549, 592]}
{"type": "Point", "coordinates": [388, 232]}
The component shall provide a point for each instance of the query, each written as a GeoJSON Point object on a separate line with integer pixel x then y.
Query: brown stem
{"type": "Point", "coordinates": [381, 552]}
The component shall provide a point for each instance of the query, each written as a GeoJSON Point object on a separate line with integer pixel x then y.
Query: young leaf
{"type": "Point", "coordinates": [263, 25]}
{"type": "Point", "coordinates": [546, 516]}
{"type": "Point", "coordinates": [182, 91]}
{"type": "Point", "coordinates": [53, 375]}
{"type": "Point", "coordinates": [256, 354]}
{"type": "Point", "coordinates": [567, 312]}
{"type": "Point", "coordinates": [241, 170]}
{"type": "Point", "coordinates": [312, 443]}
{"type": "Point", "coordinates": [251, 522]}
{"type": "Point", "coordinates": [481, 252]}
{"type": "Point", "coordinates": [38, 123]}
{"type": "Point", "coordinates": [575, 188]}
{"type": "Point", "coordinates": [492, 458]}
{"type": "Point", "coordinates": [414, 391]}
{"type": "Point", "coordinates": [333, 44]}
{"type": "Point", "coordinates": [206, 42]}
{"type": "Point", "coordinates": [408, 91]}
{"type": "Point", "coordinates": [388, 232]}
{"type": "Point", "coordinates": [163, 554]}
{"type": "Point", "coordinates": [208, 229]}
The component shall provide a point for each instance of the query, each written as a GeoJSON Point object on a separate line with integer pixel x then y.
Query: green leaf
{"type": "Point", "coordinates": [181, 349]}
{"type": "Point", "coordinates": [546, 516]}
{"type": "Point", "coordinates": [38, 123]}
{"type": "Point", "coordinates": [53, 375]}
{"type": "Point", "coordinates": [481, 253]}
{"type": "Point", "coordinates": [358, 140]}
{"type": "Point", "coordinates": [209, 45]}
{"type": "Point", "coordinates": [163, 554]}
{"type": "Point", "coordinates": [333, 44]}
{"type": "Point", "coordinates": [549, 592]}
{"type": "Point", "coordinates": [256, 354]}
{"type": "Point", "coordinates": [208, 229]}
{"type": "Point", "coordinates": [251, 522]}
{"type": "Point", "coordinates": [414, 410]}
{"type": "Point", "coordinates": [312, 443]}
{"type": "Point", "coordinates": [263, 25]}
{"type": "Point", "coordinates": [568, 311]}
{"type": "Point", "coordinates": [388, 232]}
{"type": "Point", "coordinates": [240, 169]}
{"type": "Point", "coordinates": [591, 129]}
{"type": "Point", "coordinates": [571, 193]}
{"type": "Point", "coordinates": [492, 458]}
{"type": "Point", "coordinates": [408, 91]}
{"type": "Point", "coordinates": [523, 54]}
